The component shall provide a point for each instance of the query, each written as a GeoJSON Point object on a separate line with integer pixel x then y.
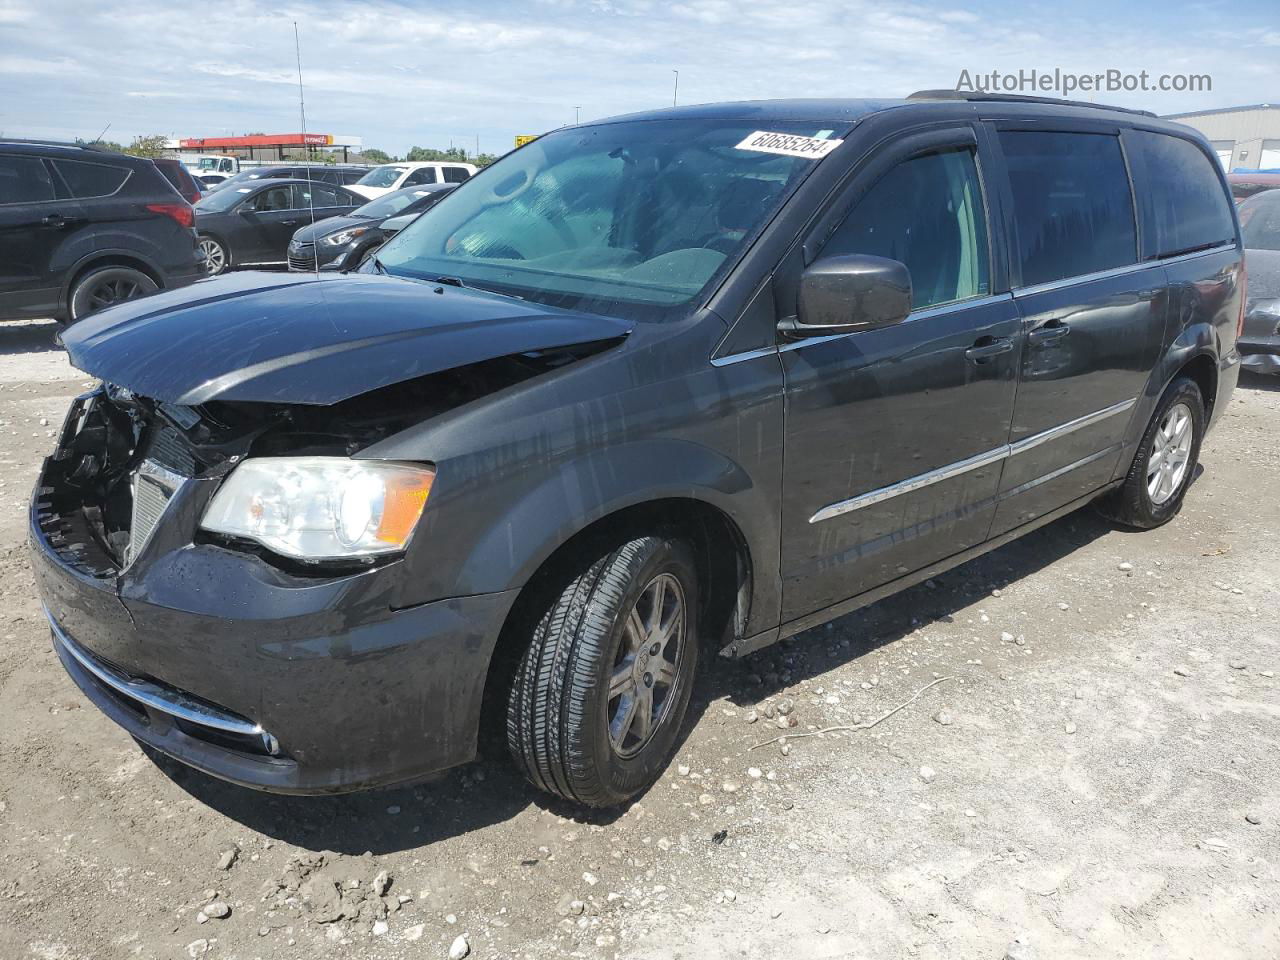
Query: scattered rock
{"type": "Point", "coordinates": [1006, 637]}
{"type": "Point", "coordinates": [944, 717]}
{"type": "Point", "coordinates": [381, 882]}
{"type": "Point", "coordinates": [415, 932]}
{"type": "Point", "coordinates": [380, 928]}
{"type": "Point", "coordinates": [569, 907]}
{"type": "Point", "coordinates": [683, 769]}
{"type": "Point", "coordinates": [393, 809]}
{"type": "Point", "coordinates": [928, 774]}
{"type": "Point", "coordinates": [1064, 606]}
{"type": "Point", "coordinates": [1125, 567]}
{"type": "Point", "coordinates": [1253, 818]}
{"type": "Point", "coordinates": [1020, 949]}
{"type": "Point", "coordinates": [197, 948]}
{"type": "Point", "coordinates": [1070, 727]}
{"type": "Point", "coordinates": [1182, 671]}
{"type": "Point", "coordinates": [729, 787]}
{"type": "Point", "coordinates": [218, 910]}
{"type": "Point", "coordinates": [1238, 665]}
{"type": "Point", "coordinates": [785, 749]}
{"type": "Point", "coordinates": [590, 879]}
{"type": "Point", "coordinates": [754, 773]}
{"type": "Point", "coordinates": [228, 857]}
{"type": "Point", "coordinates": [459, 949]}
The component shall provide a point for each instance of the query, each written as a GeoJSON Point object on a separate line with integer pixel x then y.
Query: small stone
{"type": "Point", "coordinates": [44, 421]}
{"type": "Point", "coordinates": [730, 896]}
{"type": "Point", "coordinates": [1021, 641]}
{"type": "Point", "coordinates": [415, 932]}
{"type": "Point", "coordinates": [1253, 818]}
{"type": "Point", "coordinates": [1125, 567]}
{"type": "Point", "coordinates": [1238, 665]}
{"type": "Point", "coordinates": [755, 773]}
{"type": "Point", "coordinates": [228, 857]}
{"type": "Point", "coordinates": [1006, 636]}
{"type": "Point", "coordinates": [450, 919]}
{"type": "Point", "coordinates": [1182, 671]}
{"type": "Point", "coordinates": [381, 882]}
{"type": "Point", "coordinates": [380, 928]}
{"type": "Point", "coordinates": [1070, 727]}
{"type": "Point", "coordinates": [824, 929]}
{"type": "Point", "coordinates": [971, 813]}
{"type": "Point", "coordinates": [217, 910]}
{"type": "Point", "coordinates": [1020, 949]}
{"type": "Point", "coordinates": [775, 913]}
{"type": "Point", "coordinates": [752, 717]}
{"type": "Point", "coordinates": [459, 949]}
{"type": "Point", "coordinates": [785, 749]}
{"type": "Point", "coordinates": [782, 723]}
{"type": "Point", "coordinates": [729, 787]}
{"type": "Point", "coordinates": [197, 948]}
{"type": "Point", "coordinates": [683, 769]}
{"type": "Point", "coordinates": [393, 809]}
{"type": "Point", "coordinates": [785, 707]}
{"type": "Point", "coordinates": [1268, 674]}
{"type": "Point", "coordinates": [944, 717]}
{"type": "Point", "coordinates": [590, 879]}
{"type": "Point", "coordinates": [1064, 606]}
{"type": "Point", "coordinates": [927, 774]}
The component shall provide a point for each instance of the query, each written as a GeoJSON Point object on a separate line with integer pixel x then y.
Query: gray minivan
{"type": "Point", "coordinates": [644, 390]}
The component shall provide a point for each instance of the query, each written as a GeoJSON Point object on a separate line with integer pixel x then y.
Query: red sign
{"type": "Point", "coordinates": [262, 140]}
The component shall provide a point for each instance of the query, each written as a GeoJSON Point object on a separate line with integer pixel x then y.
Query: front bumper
{"type": "Point", "coordinates": [281, 683]}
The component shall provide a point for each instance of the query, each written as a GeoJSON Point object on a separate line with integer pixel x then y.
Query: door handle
{"type": "Point", "coordinates": [987, 347]}
{"type": "Point", "coordinates": [58, 220]}
{"type": "Point", "coordinates": [288, 223]}
{"type": "Point", "coordinates": [1051, 332]}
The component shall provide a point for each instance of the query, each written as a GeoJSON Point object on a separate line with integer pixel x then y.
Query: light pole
{"type": "Point", "coordinates": [675, 90]}
{"type": "Point", "coordinates": [576, 115]}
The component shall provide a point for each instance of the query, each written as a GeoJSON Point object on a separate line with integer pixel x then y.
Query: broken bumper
{"type": "Point", "coordinates": [270, 681]}
{"type": "Point", "coordinates": [1260, 354]}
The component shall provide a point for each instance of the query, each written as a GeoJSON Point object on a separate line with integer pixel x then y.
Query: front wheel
{"type": "Point", "coordinates": [213, 255]}
{"type": "Point", "coordinates": [601, 691]}
{"type": "Point", "coordinates": [1162, 470]}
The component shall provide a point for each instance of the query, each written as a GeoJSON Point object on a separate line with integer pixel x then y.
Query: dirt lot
{"type": "Point", "coordinates": [1099, 777]}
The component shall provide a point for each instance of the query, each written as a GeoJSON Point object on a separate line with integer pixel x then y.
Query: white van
{"type": "Point", "coordinates": [393, 176]}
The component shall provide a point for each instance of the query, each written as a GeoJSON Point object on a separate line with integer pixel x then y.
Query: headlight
{"type": "Point", "coordinates": [321, 508]}
{"type": "Point", "coordinates": [346, 236]}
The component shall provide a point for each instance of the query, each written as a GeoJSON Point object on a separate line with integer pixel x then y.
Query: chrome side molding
{"type": "Point", "coordinates": [920, 481]}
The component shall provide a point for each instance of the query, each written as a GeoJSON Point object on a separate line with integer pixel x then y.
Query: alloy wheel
{"type": "Point", "coordinates": [109, 291]}
{"type": "Point", "coordinates": [647, 665]}
{"type": "Point", "coordinates": [1170, 453]}
{"type": "Point", "coordinates": [213, 256]}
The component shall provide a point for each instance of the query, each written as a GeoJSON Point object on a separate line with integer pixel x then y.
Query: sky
{"type": "Point", "coordinates": [433, 74]}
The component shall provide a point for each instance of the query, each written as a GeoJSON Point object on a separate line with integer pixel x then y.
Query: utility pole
{"type": "Point", "coordinates": [577, 114]}
{"type": "Point", "coordinates": [676, 89]}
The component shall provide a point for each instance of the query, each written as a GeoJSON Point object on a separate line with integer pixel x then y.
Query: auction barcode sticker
{"type": "Point", "coordinates": [788, 145]}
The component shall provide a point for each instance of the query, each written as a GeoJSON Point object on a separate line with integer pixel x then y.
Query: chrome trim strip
{"type": "Point", "coordinates": [158, 698]}
{"type": "Point", "coordinates": [924, 314]}
{"type": "Point", "coordinates": [1053, 433]}
{"type": "Point", "coordinates": [1061, 471]}
{"type": "Point", "coordinates": [745, 355]}
{"type": "Point", "coordinates": [923, 480]}
{"type": "Point", "coordinates": [1085, 278]}
{"type": "Point", "coordinates": [1195, 254]}
{"type": "Point", "coordinates": [911, 484]}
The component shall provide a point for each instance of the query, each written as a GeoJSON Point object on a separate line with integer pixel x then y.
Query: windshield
{"type": "Point", "coordinates": [628, 219]}
{"type": "Point", "coordinates": [220, 201]}
{"type": "Point", "coordinates": [381, 177]}
{"type": "Point", "coordinates": [1260, 221]}
{"type": "Point", "coordinates": [208, 163]}
{"type": "Point", "coordinates": [391, 203]}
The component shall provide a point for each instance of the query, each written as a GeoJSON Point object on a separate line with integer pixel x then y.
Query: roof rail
{"type": "Point", "coordinates": [1017, 98]}
{"type": "Point", "coordinates": [57, 143]}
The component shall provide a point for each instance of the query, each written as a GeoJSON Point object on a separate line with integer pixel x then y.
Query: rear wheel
{"type": "Point", "coordinates": [104, 286]}
{"type": "Point", "coordinates": [601, 692]}
{"type": "Point", "coordinates": [1166, 460]}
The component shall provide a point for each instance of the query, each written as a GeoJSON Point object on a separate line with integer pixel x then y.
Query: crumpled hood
{"type": "Point", "coordinates": [293, 338]}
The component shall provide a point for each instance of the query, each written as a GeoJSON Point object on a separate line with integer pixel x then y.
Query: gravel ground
{"type": "Point", "coordinates": [1098, 776]}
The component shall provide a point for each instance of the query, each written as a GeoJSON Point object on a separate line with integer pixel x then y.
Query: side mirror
{"type": "Point", "coordinates": [845, 294]}
{"type": "Point", "coordinates": [394, 225]}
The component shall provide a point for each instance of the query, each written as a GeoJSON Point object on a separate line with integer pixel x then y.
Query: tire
{"type": "Point", "coordinates": [214, 254]}
{"type": "Point", "coordinates": [1157, 481]}
{"type": "Point", "coordinates": [567, 726]}
{"type": "Point", "coordinates": [105, 286]}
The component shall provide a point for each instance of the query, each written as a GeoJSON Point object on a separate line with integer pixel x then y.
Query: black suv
{"type": "Point", "coordinates": [82, 228]}
{"type": "Point", "coordinates": [643, 392]}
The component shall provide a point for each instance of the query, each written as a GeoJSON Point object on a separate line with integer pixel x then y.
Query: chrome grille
{"type": "Point", "coordinates": [302, 256]}
{"type": "Point", "coordinates": [153, 489]}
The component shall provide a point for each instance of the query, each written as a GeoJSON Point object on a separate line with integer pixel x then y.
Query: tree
{"type": "Point", "coordinates": [151, 147]}
{"type": "Point", "coordinates": [374, 155]}
{"type": "Point", "coordinates": [430, 154]}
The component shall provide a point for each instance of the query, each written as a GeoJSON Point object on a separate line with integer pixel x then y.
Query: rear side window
{"type": "Point", "coordinates": [88, 180]}
{"type": "Point", "coordinates": [351, 176]}
{"type": "Point", "coordinates": [926, 212]}
{"type": "Point", "coordinates": [456, 174]}
{"type": "Point", "coordinates": [24, 180]}
{"type": "Point", "coordinates": [316, 195]}
{"type": "Point", "coordinates": [1072, 204]}
{"type": "Point", "coordinates": [420, 176]}
{"type": "Point", "coordinates": [1185, 207]}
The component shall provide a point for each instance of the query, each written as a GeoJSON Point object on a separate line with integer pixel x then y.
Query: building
{"type": "Point", "coordinates": [1245, 138]}
{"type": "Point", "coordinates": [268, 146]}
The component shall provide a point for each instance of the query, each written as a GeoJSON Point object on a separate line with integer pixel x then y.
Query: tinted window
{"type": "Point", "coordinates": [420, 176]}
{"type": "Point", "coordinates": [350, 176]}
{"type": "Point", "coordinates": [275, 198]}
{"type": "Point", "coordinates": [1185, 207]}
{"type": "Point", "coordinates": [87, 180]}
{"type": "Point", "coordinates": [1071, 203]}
{"type": "Point", "coordinates": [24, 180]}
{"type": "Point", "coordinates": [317, 195]}
{"type": "Point", "coordinates": [927, 213]}
{"type": "Point", "coordinates": [456, 174]}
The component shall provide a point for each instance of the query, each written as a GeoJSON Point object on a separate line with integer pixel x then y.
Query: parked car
{"type": "Point", "coordinates": [180, 179]}
{"type": "Point", "coordinates": [82, 228]}
{"type": "Point", "coordinates": [238, 226]}
{"type": "Point", "coordinates": [396, 176]}
{"type": "Point", "coordinates": [211, 180]}
{"type": "Point", "coordinates": [1260, 339]}
{"type": "Point", "coordinates": [338, 174]}
{"type": "Point", "coordinates": [652, 389]}
{"type": "Point", "coordinates": [340, 243]}
{"type": "Point", "coordinates": [1245, 185]}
